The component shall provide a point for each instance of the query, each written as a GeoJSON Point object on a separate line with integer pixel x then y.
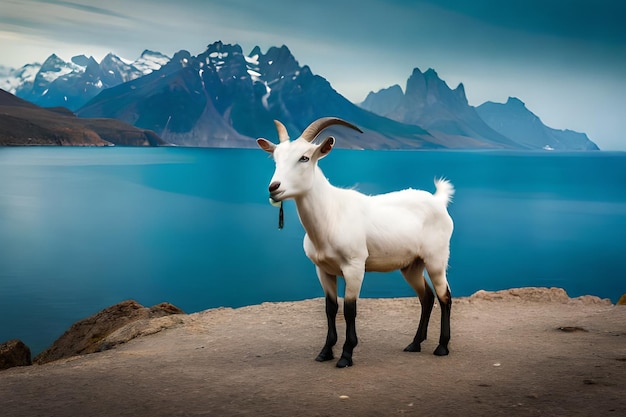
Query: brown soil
{"type": "Point", "coordinates": [511, 354]}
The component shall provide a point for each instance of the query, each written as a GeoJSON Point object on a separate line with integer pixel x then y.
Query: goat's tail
{"type": "Point", "coordinates": [445, 190]}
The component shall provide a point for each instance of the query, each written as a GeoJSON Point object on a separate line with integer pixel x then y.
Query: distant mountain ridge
{"type": "Point", "coordinates": [71, 84]}
{"type": "Point", "coordinates": [429, 102]}
{"type": "Point", "coordinates": [515, 121]}
{"type": "Point", "coordinates": [23, 123]}
{"type": "Point", "coordinates": [225, 98]}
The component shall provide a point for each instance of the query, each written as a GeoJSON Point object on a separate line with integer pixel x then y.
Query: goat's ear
{"type": "Point", "coordinates": [266, 145]}
{"type": "Point", "coordinates": [325, 147]}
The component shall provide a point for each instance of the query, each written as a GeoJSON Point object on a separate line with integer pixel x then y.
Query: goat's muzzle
{"type": "Point", "coordinates": [274, 186]}
{"type": "Point", "coordinates": [274, 193]}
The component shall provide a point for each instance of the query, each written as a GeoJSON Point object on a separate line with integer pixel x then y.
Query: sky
{"type": "Point", "coordinates": [566, 59]}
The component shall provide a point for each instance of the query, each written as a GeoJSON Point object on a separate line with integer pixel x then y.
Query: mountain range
{"type": "Point", "coordinates": [224, 98]}
{"type": "Point", "coordinates": [515, 121]}
{"type": "Point", "coordinates": [71, 84]}
{"type": "Point", "coordinates": [430, 103]}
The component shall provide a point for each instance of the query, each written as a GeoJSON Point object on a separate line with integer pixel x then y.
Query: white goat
{"type": "Point", "coordinates": [349, 233]}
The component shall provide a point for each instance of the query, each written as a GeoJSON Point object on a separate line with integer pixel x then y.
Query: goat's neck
{"type": "Point", "coordinates": [316, 205]}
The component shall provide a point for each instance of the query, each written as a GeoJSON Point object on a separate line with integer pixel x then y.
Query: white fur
{"type": "Point", "coordinates": [348, 233]}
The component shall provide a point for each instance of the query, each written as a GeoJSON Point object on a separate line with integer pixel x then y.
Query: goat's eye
{"type": "Point", "coordinates": [303, 159]}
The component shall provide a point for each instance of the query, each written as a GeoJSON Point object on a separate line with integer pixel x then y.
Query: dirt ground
{"type": "Point", "coordinates": [509, 356]}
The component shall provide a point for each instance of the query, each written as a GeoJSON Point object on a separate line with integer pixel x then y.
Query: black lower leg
{"type": "Point", "coordinates": [444, 338]}
{"type": "Point", "coordinates": [349, 312]}
{"type": "Point", "coordinates": [331, 337]}
{"type": "Point", "coordinates": [427, 302]}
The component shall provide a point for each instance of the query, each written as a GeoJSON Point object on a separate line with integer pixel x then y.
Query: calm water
{"type": "Point", "coordinates": [85, 228]}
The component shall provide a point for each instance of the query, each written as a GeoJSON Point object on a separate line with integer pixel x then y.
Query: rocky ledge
{"type": "Point", "coordinates": [128, 320]}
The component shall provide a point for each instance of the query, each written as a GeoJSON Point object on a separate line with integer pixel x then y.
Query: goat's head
{"type": "Point", "coordinates": [296, 161]}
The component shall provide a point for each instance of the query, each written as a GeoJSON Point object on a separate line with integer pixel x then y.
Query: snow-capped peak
{"type": "Point", "coordinates": [11, 78]}
{"type": "Point", "coordinates": [83, 77]}
{"type": "Point", "coordinates": [150, 61]}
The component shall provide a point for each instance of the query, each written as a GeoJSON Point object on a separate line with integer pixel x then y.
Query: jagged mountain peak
{"type": "Point", "coordinates": [54, 64]}
{"type": "Point", "coordinates": [429, 102]}
{"type": "Point", "coordinates": [516, 121]}
{"type": "Point", "coordinates": [12, 79]}
{"type": "Point", "coordinates": [256, 51]}
{"type": "Point", "coordinates": [220, 54]}
{"type": "Point", "coordinates": [460, 91]}
{"type": "Point", "coordinates": [220, 46]}
{"type": "Point", "coordinates": [428, 89]}
{"type": "Point", "coordinates": [113, 71]}
{"type": "Point", "coordinates": [149, 52]}
{"type": "Point", "coordinates": [72, 83]}
{"type": "Point", "coordinates": [53, 58]}
{"type": "Point", "coordinates": [150, 61]}
{"type": "Point", "coordinates": [278, 62]}
{"type": "Point", "coordinates": [111, 57]}
{"type": "Point", "coordinates": [429, 73]}
{"type": "Point", "coordinates": [421, 83]}
{"type": "Point", "coordinates": [514, 101]}
{"type": "Point", "coordinates": [384, 101]}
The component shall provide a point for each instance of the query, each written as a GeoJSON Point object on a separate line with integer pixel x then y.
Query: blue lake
{"type": "Point", "coordinates": [85, 228]}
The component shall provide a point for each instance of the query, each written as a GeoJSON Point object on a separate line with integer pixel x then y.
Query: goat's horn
{"type": "Point", "coordinates": [311, 132]}
{"type": "Point", "coordinates": [283, 136]}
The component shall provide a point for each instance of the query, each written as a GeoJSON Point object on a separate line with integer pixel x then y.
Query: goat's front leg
{"type": "Point", "coordinates": [354, 279]}
{"type": "Point", "coordinates": [329, 284]}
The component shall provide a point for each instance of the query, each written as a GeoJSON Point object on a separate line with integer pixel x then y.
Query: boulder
{"type": "Point", "coordinates": [14, 353]}
{"type": "Point", "coordinates": [537, 294]}
{"type": "Point", "coordinates": [90, 335]}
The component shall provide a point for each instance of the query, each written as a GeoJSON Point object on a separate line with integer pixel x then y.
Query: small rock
{"type": "Point", "coordinates": [622, 300]}
{"type": "Point", "coordinates": [14, 353]}
{"type": "Point", "coordinates": [344, 397]}
{"type": "Point", "coordinates": [572, 329]}
{"type": "Point", "coordinates": [164, 309]}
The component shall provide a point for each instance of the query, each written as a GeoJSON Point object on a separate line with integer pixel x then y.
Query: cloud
{"type": "Point", "coordinates": [84, 8]}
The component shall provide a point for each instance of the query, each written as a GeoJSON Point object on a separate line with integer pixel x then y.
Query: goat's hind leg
{"type": "Point", "coordinates": [444, 338]}
{"type": "Point", "coordinates": [414, 275]}
{"type": "Point", "coordinates": [329, 284]}
{"type": "Point", "coordinates": [438, 278]}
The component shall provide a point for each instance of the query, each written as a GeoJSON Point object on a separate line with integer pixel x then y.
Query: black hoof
{"type": "Point", "coordinates": [441, 351]}
{"type": "Point", "coordinates": [344, 362]}
{"type": "Point", "coordinates": [413, 347]}
{"type": "Point", "coordinates": [325, 356]}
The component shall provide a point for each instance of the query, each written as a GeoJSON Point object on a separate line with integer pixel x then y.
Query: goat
{"type": "Point", "coordinates": [349, 233]}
